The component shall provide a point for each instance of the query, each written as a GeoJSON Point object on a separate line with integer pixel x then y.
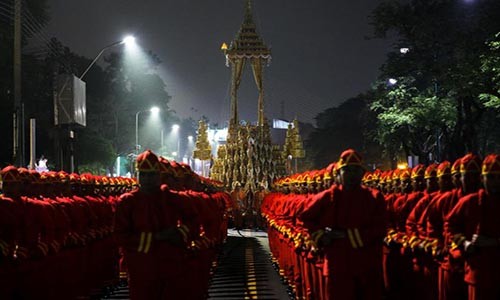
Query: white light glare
{"type": "Point", "coordinates": [175, 127]}
{"type": "Point", "coordinates": [155, 110]}
{"type": "Point", "coordinates": [129, 40]}
{"type": "Point", "coordinates": [404, 50]}
{"type": "Point", "coordinates": [190, 138]}
{"type": "Point", "coordinates": [392, 81]}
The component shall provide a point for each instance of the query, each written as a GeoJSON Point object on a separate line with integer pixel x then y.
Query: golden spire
{"type": "Point", "coordinates": [248, 13]}
{"type": "Point", "coordinates": [247, 43]}
{"type": "Point", "coordinates": [203, 148]}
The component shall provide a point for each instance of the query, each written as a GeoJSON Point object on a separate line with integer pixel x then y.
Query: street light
{"type": "Point", "coordinates": [154, 110]}
{"type": "Point", "coordinates": [176, 128]}
{"type": "Point", "coordinates": [404, 50]}
{"type": "Point", "coordinates": [190, 150]}
{"type": "Point", "coordinates": [129, 40]}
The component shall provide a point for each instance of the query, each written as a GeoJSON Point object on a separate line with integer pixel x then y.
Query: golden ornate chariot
{"type": "Point", "coordinates": [249, 161]}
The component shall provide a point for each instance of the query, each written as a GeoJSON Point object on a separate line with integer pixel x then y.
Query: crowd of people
{"type": "Point", "coordinates": [427, 232]}
{"type": "Point", "coordinates": [64, 236]}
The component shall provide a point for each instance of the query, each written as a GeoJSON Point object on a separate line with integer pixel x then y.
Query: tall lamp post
{"type": "Point", "coordinates": [153, 110]}
{"type": "Point", "coordinates": [176, 128]}
{"type": "Point", "coordinates": [129, 40]}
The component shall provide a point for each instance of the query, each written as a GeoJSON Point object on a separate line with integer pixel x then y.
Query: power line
{"type": "Point", "coordinates": [31, 27]}
{"type": "Point", "coordinates": [34, 30]}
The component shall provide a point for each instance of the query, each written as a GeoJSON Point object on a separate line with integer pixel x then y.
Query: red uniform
{"type": "Point", "coordinates": [477, 214]}
{"type": "Point", "coordinates": [152, 265]}
{"type": "Point", "coordinates": [10, 223]}
{"type": "Point", "coordinates": [450, 273]}
{"type": "Point", "coordinates": [414, 225]}
{"type": "Point", "coordinates": [352, 264]}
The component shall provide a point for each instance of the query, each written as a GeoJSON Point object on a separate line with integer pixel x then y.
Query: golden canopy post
{"type": "Point", "coordinates": [298, 146]}
{"type": "Point", "coordinates": [293, 143]}
{"type": "Point", "coordinates": [202, 149]}
{"type": "Point", "coordinates": [247, 152]}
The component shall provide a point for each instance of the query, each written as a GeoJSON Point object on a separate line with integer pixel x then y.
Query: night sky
{"type": "Point", "coordinates": [321, 54]}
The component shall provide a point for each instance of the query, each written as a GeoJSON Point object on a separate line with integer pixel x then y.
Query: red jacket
{"type": "Point", "coordinates": [361, 212]}
{"type": "Point", "coordinates": [477, 214]}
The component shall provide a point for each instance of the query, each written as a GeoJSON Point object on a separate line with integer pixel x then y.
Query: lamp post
{"type": "Point", "coordinates": [153, 110]}
{"type": "Point", "coordinates": [128, 41]}
{"type": "Point", "coordinates": [189, 151]}
{"type": "Point", "coordinates": [176, 128]}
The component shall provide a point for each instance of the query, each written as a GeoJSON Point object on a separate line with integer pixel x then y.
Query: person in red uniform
{"type": "Point", "coordinates": [473, 228]}
{"type": "Point", "coordinates": [354, 222]}
{"type": "Point", "coordinates": [451, 270]}
{"type": "Point", "coordinates": [424, 265]}
{"type": "Point", "coordinates": [148, 235]}
{"type": "Point", "coordinates": [11, 215]}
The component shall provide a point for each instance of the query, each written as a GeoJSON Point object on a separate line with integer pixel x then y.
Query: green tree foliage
{"type": "Point", "coordinates": [491, 67]}
{"type": "Point", "coordinates": [491, 99]}
{"type": "Point", "coordinates": [446, 40]}
{"type": "Point", "coordinates": [411, 121]}
{"type": "Point", "coordinates": [95, 153]}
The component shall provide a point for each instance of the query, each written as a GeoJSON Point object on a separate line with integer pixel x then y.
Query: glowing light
{"type": "Point", "coordinates": [190, 138]}
{"type": "Point", "coordinates": [175, 127]}
{"type": "Point", "coordinates": [402, 166]}
{"type": "Point", "coordinates": [404, 50]}
{"type": "Point", "coordinates": [129, 40]}
{"type": "Point", "coordinates": [174, 154]}
{"type": "Point", "coordinates": [132, 49]}
{"type": "Point", "coordinates": [392, 81]}
{"type": "Point", "coordinates": [155, 110]}
{"type": "Point", "coordinates": [118, 165]}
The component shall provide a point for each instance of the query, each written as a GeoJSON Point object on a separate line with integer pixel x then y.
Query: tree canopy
{"type": "Point", "coordinates": [443, 88]}
{"type": "Point", "coordinates": [437, 96]}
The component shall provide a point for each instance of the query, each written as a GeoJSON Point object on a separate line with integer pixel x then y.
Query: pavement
{"type": "Point", "coordinates": [244, 271]}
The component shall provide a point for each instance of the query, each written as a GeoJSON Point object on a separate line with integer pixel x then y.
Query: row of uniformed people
{"type": "Point", "coordinates": [52, 225]}
{"type": "Point", "coordinates": [442, 241]}
{"type": "Point", "coordinates": [170, 236]}
{"type": "Point", "coordinates": [432, 225]}
{"type": "Point", "coordinates": [326, 236]}
{"type": "Point", "coordinates": [56, 230]}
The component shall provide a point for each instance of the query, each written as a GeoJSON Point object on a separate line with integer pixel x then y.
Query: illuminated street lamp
{"type": "Point", "coordinates": [129, 40]}
{"type": "Point", "coordinates": [190, 149]}
{"type": "Point", "coordinates": [176, 128]}
{"type": "Point", "coordinates": [153, 110]}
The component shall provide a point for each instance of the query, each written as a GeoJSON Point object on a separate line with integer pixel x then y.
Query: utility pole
{"type": "Point", "coordinates": [18, 152]}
